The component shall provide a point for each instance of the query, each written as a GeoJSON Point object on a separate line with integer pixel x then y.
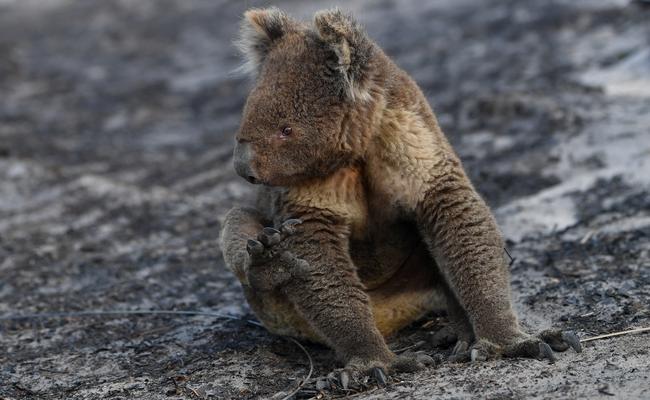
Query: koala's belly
{"type": "Point", "coordinates": [401, 279]}
{"type": "Point", "coordinates": [415, 289]}
{"type": "Point", "coordinates": [380, 253]}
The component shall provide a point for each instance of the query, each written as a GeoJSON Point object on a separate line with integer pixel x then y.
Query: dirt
{"type": "Point", "coordinates": [116, 126]}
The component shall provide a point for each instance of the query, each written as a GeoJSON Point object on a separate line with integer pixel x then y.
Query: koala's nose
{"type": "Point", "coordinates": [242, 158]}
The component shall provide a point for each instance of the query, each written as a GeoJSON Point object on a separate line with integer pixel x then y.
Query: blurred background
{"type": "Point", "coordinates": [116, 130]}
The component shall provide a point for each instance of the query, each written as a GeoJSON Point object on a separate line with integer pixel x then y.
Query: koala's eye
{"type": "Point", "coordinates": [286, 131]}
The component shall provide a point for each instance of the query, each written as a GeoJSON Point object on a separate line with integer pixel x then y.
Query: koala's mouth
{"type": "Point", "coordinates": [253, 180]}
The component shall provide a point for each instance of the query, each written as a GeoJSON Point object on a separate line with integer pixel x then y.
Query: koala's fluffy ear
{"type": "Point", "coordinates": [351, 46]}
{"type": "Point", "coordinates": [259, 30]}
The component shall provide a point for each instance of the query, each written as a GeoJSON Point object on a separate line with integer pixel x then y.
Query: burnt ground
{"type": "Point", "coordinates": [116, 125]}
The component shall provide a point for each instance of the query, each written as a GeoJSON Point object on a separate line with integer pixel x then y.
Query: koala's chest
{"type": "Point", "coordinates": [392, 191]}
{"type": "Point", "coordinates": [341, 194]}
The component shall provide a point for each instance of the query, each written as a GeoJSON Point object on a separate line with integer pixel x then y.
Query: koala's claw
{"type": "Point", "coordinates": [344, 379]}
{"type": "Point", "coordinates": [476, 355]}
{"type": "Point", "coordinates": [357, 377]}
{"type": "Point", "coordinates": [545, 351]}
{"type": "Point", "coordinates": [561, 340]}
{"type": "Point", "coordinates": [542, 346]}
{"type": "Point", "coordinates": [380, 376]}
{"type": "Point", "coordinates": [351, 379]}
{"type": "Point", "coordinates": [270, 264]}
{"type": "Point", "coordinates": [288, 227]}
{"type": "Point", "coordinates": [460, 347]}
{"type": "Point", "coordinates": [484, 351]}
{"type": "Point", "coordinates": [573, 341]}
{"type": "Point", "coordinates": [261, 249]}
{"type": "Point", "coordinates": [257, 250]}
{"type": "Point", "coordinates": [459, 353]}
{"type": "Point", "coordinates": [254, 248]}
{"type": "Point", "coordinates": [269, 237]}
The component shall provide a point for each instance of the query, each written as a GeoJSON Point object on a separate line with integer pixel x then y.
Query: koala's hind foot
{"type": "Point", "coordinates": [527, 346]}
{"type": "Point", "coordinates": [270, 264]}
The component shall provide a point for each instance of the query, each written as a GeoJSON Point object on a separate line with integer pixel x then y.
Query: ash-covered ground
{"type": "Point", "coordinates": [116, 131]}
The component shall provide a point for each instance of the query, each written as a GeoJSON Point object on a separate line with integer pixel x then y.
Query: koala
{"type": "Point", "coordinates": [365, 219]}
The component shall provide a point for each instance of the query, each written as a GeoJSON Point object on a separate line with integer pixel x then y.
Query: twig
{"type": "Point", "coordinates": [73, 314]}
{"type": "Point", "coordinates": [196, 393]}
{"type": "Point", "coordinates": [417, 344]}
{"type": "Point", "coordinates": [311, 370]}
{"type": "Point", "coordinates": [588, 236]}
{"type": "Point", "coordinates": [403, 349]}
{"type": "Point", "coordinates": [608, 335]}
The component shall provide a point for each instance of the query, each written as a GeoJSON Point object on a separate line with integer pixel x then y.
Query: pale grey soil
{"type": "Point", "coordinates": [116, 124]}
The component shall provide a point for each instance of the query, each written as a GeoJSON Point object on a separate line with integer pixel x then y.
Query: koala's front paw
{"type": "Point", "coordinates": [270, 264]}
{"type": "Point", "coordinates": [528, 346]}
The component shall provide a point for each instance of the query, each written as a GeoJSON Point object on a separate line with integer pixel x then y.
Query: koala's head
{"type": "Point", "coordinates": [307, 79]}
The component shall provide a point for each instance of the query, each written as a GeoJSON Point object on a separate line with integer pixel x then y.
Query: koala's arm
{"type": "Point", "coordinates": [466, 243]}
{"type": "Point", "coordinates": [330, 295]}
